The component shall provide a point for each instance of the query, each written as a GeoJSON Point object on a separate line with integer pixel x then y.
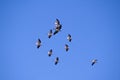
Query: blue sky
{"type": "Point", "coordinates": [93, 24]}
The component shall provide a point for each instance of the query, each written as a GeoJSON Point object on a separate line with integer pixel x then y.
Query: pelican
{"type": "Point", "coordinates": [69, 38]}
{"type": "Point", "coordinates": [56, 60]}
{"type": "Point", "coordinates": [38, 43]}
{"type": "Point", "coordinates": [94, 61]}
{"type": "Point", "coordinates": [66, 47]}
{"type": "Point", "coordinates": [50, 34]}
{"type": "Point", "coordinates": [50, 52]}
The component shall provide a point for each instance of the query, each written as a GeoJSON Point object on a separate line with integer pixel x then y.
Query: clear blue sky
{"type": "Point", "coordinates": [93, 24]}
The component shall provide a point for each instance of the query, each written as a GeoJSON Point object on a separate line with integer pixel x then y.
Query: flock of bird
{"type": "Point", "coordinates": [57, 29]}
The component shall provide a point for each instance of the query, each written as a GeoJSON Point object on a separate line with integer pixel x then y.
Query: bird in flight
{"type": "Point", "coordinates": [58, 26]}
{"type": "Point", "coordinates": [50, 34]}
{"type": "Point", "coordinates": [94, 61]}
{"type": "Point", "coordinates": [56, 60]}
{"type": "Point", "coordinates": [38, 43]}
{"type": "Point", "coordinates": [50, 52]}
{"type": "Point", "coordinates": [66, 47]}
{"type": "Point", "coordinates": [69, 38]}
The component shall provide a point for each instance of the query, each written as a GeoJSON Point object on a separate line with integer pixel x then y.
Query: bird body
{"type": "Point", "coordinates": [50, 34]}
{"type": "Point", "coordinates": [38, 43]}
{"type": "Point", "coordinates": [66, 47]}
{"type": "Point", "coordinates": [69, 38]}
{"type": "Point", "coordinates": [56, 60]}
{"type": "Point", "coordinates": [94, 61]}
{"type": "Point", "coordinates": [50, 52]}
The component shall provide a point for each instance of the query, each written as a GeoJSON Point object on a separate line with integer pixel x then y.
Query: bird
{"type": "Point", "coordinates": [69, 38]}
{"type": "Point", "coordinates": [50, 52]}
{"type": "Point", "coordinates": [57, 29]}
{"type": "Point", "coordinates": [66, 47]}
{"type": "Point", "coordinates": [50, 34]}
{"type": "Point", "coordinates": [94, 61]}
{"type": "Point", "coordinates": [38, 43]}
{"type": "Point", "coordinates": [56, 60]}
{"type": "Point", "coordinates": [58, 26]}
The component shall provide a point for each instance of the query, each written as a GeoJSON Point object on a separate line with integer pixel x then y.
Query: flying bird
{"type": "Point", "coordinates": [58, 26]}
{"type": "Point", "coordinates": [50, 52]}
{"type": "Point", "coordinates": [38, 43]}
{"type": "Point", "coordinates": [94, 61]}
{"type": "Point", "coordinates": [66, 47]}
{"type": "Point", "coordinates": [50, 34]}
{"type": "Point", "coordinates": [56, 60]}
{"type": "Point", "coordinates": [69, 38]}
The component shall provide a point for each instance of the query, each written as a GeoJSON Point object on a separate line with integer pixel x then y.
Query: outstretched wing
{"type": "Point", "coordinates": [39, 40]}
{"type": "Point", "coordinates": [57, 22]}
{"type": "Point", "coordinates": [55, 32]}
{"type": "Point", "coordinates": [69, 35]}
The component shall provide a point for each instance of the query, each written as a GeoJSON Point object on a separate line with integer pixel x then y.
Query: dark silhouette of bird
{"type": "Point", "coordinates": [94, 61]}
{"type": "Point", "coordinates": [66, 47]}
{"type": "Point", "coordinates": [58, 26]}
{"type": "Point", "coordinates": [50, 34]}
{"type": "Point", "coordinates": [69, 38]}
{"type": "Point", "coordinates": [57, 29]}
{"type": "Point", "coordinates": [50, 52]}
{"type": "Point", "coordinates": [38, 43]}
{"type": "Point", "coordinates": [56, 60]}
